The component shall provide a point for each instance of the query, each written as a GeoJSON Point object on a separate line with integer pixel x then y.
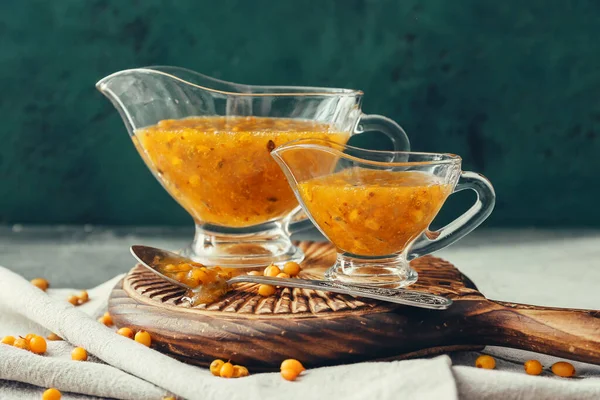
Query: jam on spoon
{"type": "Point", "coordinates": [181, 271]}
{"type": "Point", "coordinates": [205, 284]}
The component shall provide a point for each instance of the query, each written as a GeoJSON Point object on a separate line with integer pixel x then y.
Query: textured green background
{"type": "Point", "coordinates": [512, 86]}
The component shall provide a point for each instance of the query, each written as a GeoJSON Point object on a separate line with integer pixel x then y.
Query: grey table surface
{"type": "Point", "coordinates": [559, 268]}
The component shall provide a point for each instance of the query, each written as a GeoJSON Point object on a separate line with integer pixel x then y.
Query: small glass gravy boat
{"type": "Point", "coordinates": [376, 206]}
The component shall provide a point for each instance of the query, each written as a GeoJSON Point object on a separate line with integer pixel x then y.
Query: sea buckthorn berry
{"type": "Point", "coordinates": [37, 345]}
{"type": "Point", "coordinates": [291, 363]}
{"type": "Point", "coordinates": [184, 266]}
{"type": "Point", "coordinates": [291, 268]}
{"type": "Point", "coordinates": [266, 290]}
{"type": "Point", "coordinates": [533, 367]}
{"type": "Point", "coordinates": [106, 319]}
{"type": "Point", "coordinates": [9, 340]}
{"type": "Point", "coordinates": [289, 374]}
{"type": "Point", "coordinates": [51, 394]}
{"type": "Point", "coordinates": [144, 338]}
{"type": "Point", "coordinates": [272, 270]}
{"type": "Point", "coordinates": [215, 367]}
{"type": "Point", "coordinates": [73, 300]}
{"type": "Point", "coordinates": [283, 275]}
{"type": "Point", "coordinates": [79, 354]}
{"type": "Point", "coordinates": [40, 283]}
{"type": "Point", "coordinates": [127, 332]}
{"type": "Point", "coordinates": [198, 276]}
{"type": "Point", "coordinates": [226, 370]}
{"type": "Point", "coordinates": [485, 362]}
{"type": "Point", "coordinates": [181, 277]}
{"type": "Point", "coordinates": [240, 371]}
{"type": "Point", "coordinates": [29, 336]}
{"type": "Point", "coordinates": [84, 296]}
{"type": "Point", "coordinates": [563, 369]}
{"type": "Point", "coordinates": [255, 273]}
{"type": "Point", "coordinates": [225, 274]}
{"type": "Point", "coordinates": [170, 268]}
{"type": "Point", "coordinates": [21, 343]}
{"type": "Point", "coordinates": [53, 336]}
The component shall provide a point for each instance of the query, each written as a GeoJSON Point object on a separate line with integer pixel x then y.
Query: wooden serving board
{"type": "Point", "coordinates": [322, 328]}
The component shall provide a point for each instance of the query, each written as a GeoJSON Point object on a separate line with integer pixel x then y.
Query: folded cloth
{"type": "Point", "coordinates": [133, 371]}
{"type": "Point", "coordinates": [121, 368]}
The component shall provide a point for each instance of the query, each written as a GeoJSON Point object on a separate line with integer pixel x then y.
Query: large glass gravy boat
{"type": "Point", "coordinates": [208, 142]}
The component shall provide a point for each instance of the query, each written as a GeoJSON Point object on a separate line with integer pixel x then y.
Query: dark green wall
{"type": "Point", "coordinates": [512, 86]}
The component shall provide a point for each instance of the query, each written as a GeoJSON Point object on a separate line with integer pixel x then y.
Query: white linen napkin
{"type": "Point", "coordinates": [137, 372]}
{"type": "Point", "coordinates": [123, 369]}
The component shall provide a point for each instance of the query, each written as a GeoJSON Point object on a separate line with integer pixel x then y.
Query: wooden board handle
{"type": "Point", "coordinates": [562, 332]}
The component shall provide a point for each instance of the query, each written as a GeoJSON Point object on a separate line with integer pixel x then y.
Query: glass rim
{"type": "Point", "coordinates": [286, 91]}
{"type": "Point", "coordinates": [442, 158]}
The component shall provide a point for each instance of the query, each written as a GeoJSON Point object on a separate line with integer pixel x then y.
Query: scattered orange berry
{"type": "Point", "coordinates": [106, 319]}
{"type": "Point", "coordinates": [37, 345]}
{"type": "Point", "coordinates": [563, 369]}
{"type": "Point", "coordinates": [9, 340]}
{"type": "Point", "coordinates": [144, 338]}
{"type": "Point", "coordinates": [51, 394]}
{"type": "Point", "coordinates": [283, 275]}
{"type": "Point", "coordinates": [40, 283]}
{"type": "Point", "coordinates": [79, 354]}
{"type": "Point", "coordinates": [291, 268]}
{"type": "Point", "coordinates": [169, 398]}
{"type": "Point", "coordinates": [83, 296]}
{"type": "Point", "coordinates": [29, 336]}
{"type": "Point", "coordinates": [289, 374]}
{"type": "Point", "coordinates": [293, 364]}
{"type": "Point", "coordinates": [53, 336]}
{"type": "Point", "coordinates": [272, 270]}
{"type": "Point", "coordinates": [21, 343]}
{"type": "Point", "coordinates": [485, 362]}
{"type": "Point", "coordinates": [215, 367]}
{"type": "Point", "coordinates": [533, 367]}
{"type": "Point", "coordinates": [73, 300]}
{"type": "Point", "coordinates": [255, 273]}
{"type": "Point", "coordinates": [266, 290]}
{"type": "Point", "coordinates": [226, 370]}
{"type": "Point", "coordinates": [240, 371]}
{"type": "Point", "coordinates": [127, 332]}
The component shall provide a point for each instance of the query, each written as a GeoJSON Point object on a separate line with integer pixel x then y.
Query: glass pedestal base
{"type": "Point", "coordinates": [242, 248]}
{"type": "Point", "coordinates": [382, 272]}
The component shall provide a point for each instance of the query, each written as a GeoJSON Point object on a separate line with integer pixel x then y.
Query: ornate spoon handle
{"type": "Point", "coordinates": [152, 258]}
{"type": "Point", "coordinates": [399, 296]}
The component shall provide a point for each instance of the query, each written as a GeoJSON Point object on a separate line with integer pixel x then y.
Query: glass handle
{"type": "Point", "coordinates": [373, 122]}
{"type": "Point", "coordinates": [366, 123]}
{"type": "Point", "coordinates": [431, 241]}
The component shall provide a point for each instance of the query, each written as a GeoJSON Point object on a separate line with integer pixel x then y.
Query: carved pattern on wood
{"type": "Point", "coordinates": [323, 329]}
{"type": "Point", "coordinates": [436, 276]}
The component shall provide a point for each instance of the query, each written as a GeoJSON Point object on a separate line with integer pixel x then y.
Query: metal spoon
{"type": "Point", "coordinates": [153, 259]}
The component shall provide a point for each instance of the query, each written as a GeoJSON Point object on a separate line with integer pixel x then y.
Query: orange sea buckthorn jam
{"type": "Point", "coordinates": [374, 212]}
{"type": "Point", "coordinates": [220, 169]}
{"type": "Point", "coordinates": [209, 284]}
